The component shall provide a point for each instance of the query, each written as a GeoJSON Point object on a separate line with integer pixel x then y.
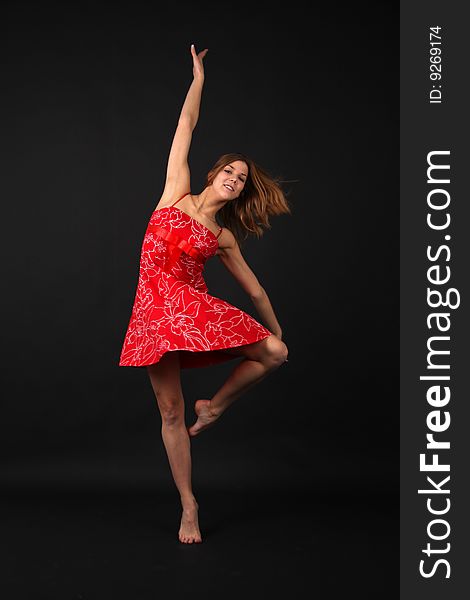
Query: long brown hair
{"type": "Point", "coordinates": [260, 198]}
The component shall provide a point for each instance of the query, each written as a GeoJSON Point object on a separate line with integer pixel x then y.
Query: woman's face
{"type": "Point", "coordinates": [230, 180]}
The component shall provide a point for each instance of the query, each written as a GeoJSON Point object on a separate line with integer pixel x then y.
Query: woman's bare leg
{"type": "Point", "coordinates": [260, 359]}
{"type": "Point", "coordinates": [166, 383]}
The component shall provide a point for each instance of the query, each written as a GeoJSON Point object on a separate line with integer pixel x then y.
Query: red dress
{"type": "Point", "coordinates": [172, 308]}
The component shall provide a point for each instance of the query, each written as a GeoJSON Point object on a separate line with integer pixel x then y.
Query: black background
{"type": "Point", "coordinates": [298, 482]}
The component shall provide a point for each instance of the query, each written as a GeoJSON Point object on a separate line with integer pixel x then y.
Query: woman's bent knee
{"type": "Point", "coordinates": [276, 352]}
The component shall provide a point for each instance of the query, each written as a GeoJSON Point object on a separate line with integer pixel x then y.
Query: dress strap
{"type": "Point", "coordinates": [180, 198]}
{"type": "Point", "coordinates": [217, 236]}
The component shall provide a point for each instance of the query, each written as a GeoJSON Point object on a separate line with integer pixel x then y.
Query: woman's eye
{"type": "Point", "coordinates": [227, 171]}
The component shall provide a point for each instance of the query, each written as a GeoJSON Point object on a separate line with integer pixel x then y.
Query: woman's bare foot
{"type": "Point", "coordinates": [205, 417]}
{"type": "Point", "coordinates": [189, 528]}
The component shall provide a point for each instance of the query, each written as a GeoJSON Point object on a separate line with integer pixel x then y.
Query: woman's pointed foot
{"type": "Point", "coordinates": [205, 417]}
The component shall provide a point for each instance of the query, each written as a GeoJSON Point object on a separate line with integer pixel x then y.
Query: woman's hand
{"type": "Point", "coordinates": [198, 68]}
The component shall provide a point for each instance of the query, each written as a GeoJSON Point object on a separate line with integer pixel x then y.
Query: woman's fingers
{"type": "Point", "coordinates": [198, 67]}
{"type": "Point", "coordinates": [201, 54]}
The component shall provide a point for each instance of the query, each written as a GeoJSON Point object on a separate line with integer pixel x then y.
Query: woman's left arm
{"type": "Point", "coordinates": [231, 257]}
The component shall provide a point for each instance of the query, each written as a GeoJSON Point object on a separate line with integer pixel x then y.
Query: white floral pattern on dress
{"type": "Point", "coordinates": [172, 308]}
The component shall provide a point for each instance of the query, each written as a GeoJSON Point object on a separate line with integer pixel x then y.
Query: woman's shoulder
{"type": "Point", "coordinates": [170, 196]}
{"type": "Point", "coordinates": [226, 239]}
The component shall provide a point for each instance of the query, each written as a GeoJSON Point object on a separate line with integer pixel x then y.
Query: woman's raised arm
{"type": "Point", "coordinates": [177, 174]}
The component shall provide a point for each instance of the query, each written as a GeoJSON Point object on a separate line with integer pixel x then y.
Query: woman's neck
{"type": "Point", "coordinates": [207, 204]}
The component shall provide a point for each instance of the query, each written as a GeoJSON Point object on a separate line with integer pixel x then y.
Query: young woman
{"type": "Point", "coordinates": [175, 323]}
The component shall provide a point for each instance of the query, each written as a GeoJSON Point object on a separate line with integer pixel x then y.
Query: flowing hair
{"type": "Point", "coordinates": [260, 198]}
